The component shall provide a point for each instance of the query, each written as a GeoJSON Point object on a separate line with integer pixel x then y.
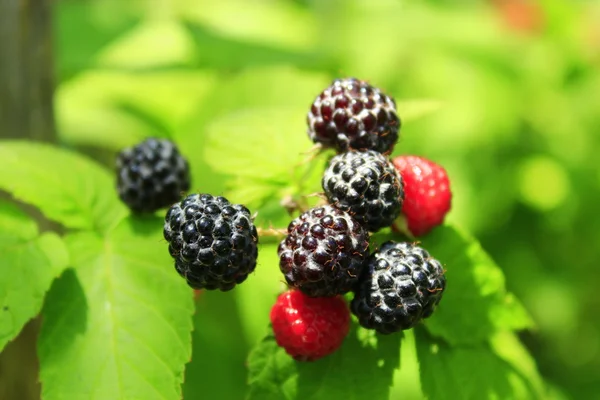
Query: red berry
{"type": "Point", "coordinates": [427, 197]}
{"type": "Point", "coordinates": [309, 328]}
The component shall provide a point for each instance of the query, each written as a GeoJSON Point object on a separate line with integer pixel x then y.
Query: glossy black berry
{"type": "Point", "coordinates": [367, 185]}
{"type": "Point", "coordinates": [351, 114]}
{"type": "Point", "coordinates": [151, 175]}
{"type": "Point", "coordinates": [401, 285]}
{"type": "Point", "coordinates": [214, 243]}
{"type": "Point", "coordinates": [324, 252]}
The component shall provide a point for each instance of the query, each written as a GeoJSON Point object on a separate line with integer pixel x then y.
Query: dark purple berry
{"type": "Point", "coordinates": [214, 243]}
{"type": "Point", "coordinates": [351, 114]}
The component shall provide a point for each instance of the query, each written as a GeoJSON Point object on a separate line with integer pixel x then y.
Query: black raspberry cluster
{"type": "Point", "coordinates": [326, 251]}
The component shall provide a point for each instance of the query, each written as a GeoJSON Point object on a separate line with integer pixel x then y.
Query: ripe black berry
{"type": "Point", "coordinates": [401, 284]}
{"type": "Point", "coordinates": [324, 252]}
{"type": "Point", "coordinates": [214, 243]}
{"type": "Point", "coordinates": [367, 185]}
{"type": "Point", "coordinates": [351, 114]}
{"type": "Point", "coordinates": [151, 175]}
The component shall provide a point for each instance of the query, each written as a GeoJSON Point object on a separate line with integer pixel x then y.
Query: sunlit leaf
{"type": "Point", "coordinates": [29, 261]}
{"type": "Point", "coordinates": [121, 324]}
{"type": "Point", "coordinates": [67, 187]}
{"type": "Point", "coordinates": [361, 369]}
{"type": "Point", "coordinates": [469, 372]}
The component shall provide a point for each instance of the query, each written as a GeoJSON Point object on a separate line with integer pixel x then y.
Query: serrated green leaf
{"type": "Point", "coordinates": [238, 92]}
{"type": "Point", "coordinates": [28, 264]}
{"type": "Point", "coordinates": [260, 143]}
{"type": "Point", "coordinates": [43, 176]}
{"type": "Point", "coordinates": [362, 368]}
{"type": "Point", "coordinates": [475, 304]}
{"type": "Point", "coordinates": [468, 372]}
{"type": "Point", "coordinates": [121, 326]}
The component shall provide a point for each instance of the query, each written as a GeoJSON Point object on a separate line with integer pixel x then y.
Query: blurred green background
{"type": "Point", "coordinates": [504, 93]}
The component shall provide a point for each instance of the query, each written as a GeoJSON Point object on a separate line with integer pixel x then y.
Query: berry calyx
{"type": "Point", "coordinates": [366, 185]}
{"type": "Point", "coordinates": [401, 285]}
{"type": "Point", "coordinates": [213, 242]}
{"type": "Point", "coordinates": [324, 251]}
{"type": "Point", "coordinates": [309, 328]}
{"type": "Point", "coordinates": [351, 114]}
{"type": "Point", "coordinates": [151, 175]}
{"type": "Point", "coordinates": [427, 197]}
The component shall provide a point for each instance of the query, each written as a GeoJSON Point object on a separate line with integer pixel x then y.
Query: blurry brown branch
{"type": "Point", "coordinates": [26, 73]}
{"type": "Point", "coordinates": [26, 91]}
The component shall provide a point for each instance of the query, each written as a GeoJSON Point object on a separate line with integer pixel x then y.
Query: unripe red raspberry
{"type": "Point", "coordinates": [309, 328]}
{"type": "Point", "coordinates": [427, 195]}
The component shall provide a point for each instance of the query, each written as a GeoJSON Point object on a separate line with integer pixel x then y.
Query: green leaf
{"type": "Point", "coordinates": [281, 24]}
{"type": "Point", "coordinates": [234, 93]}
{"type": "Point", "coordinates": [288, 87]}
{"type": "Point", "coordinates": [217, 369]}
{"type": "Point", "coordinates": [65, 186]}
{"type": "Point", "coordinates": [121, 326]}
{"type": "Point", "coordinates": [152, 43]}
{"type": "Point", "coordinates": [475, 304]}
{"type": "Point", "coordinates": [264, 143]}
{"type": "Point", "coordinates": [259, 292]}
{"type": "Point", "coordinates": [113, 109]}
{"type": "Point", "coordinates": [362, 368]}
{"type": "Point", "coordinates": [407, 382]}
{"type": "Point", "coordinates": [469, 372]}
{"type": "Point", "coordinates": [28, 264]}
{"type": "Point", "coordinates": [410, 110]}
{"type": "Point", "coordinates": [81, 29]}
{"type": "Point", "coordinates": [508, 347]}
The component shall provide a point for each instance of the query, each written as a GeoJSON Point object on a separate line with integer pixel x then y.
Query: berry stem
{"type": "Point", "coordinates": [278, 233]}
{"type": "Point", "coordinates": [401, 226]}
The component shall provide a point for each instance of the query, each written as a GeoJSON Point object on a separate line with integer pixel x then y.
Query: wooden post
{"type": "Point", "coordinates": [26, 90]}
{"type": "Point", "coordinates": [26, 72]}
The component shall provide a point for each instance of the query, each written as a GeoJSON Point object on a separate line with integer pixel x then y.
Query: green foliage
{"type": "Point", "coordinates": [512, 115]}
{"type": "Point", "coordinates": [30, 261]}
{"type": "Point", "coordinates": [66, 187]}
{"type": "Point", "coordinates": [362, 368]}
{"type": "Point", "coordinates": [126, 332]}
{"type": "Point", "coordinates": [475, 310]}
{"type": "Point", "coordinates": [477, 288]}
{"type": "Point", "coordinates": [218, 365]}
{"type": "Point", "coordinates": [120, 320]}
{"type": "Point", "coordinates": [470, 372]}
{"type": "Point", "coordinates": [258, 294]}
